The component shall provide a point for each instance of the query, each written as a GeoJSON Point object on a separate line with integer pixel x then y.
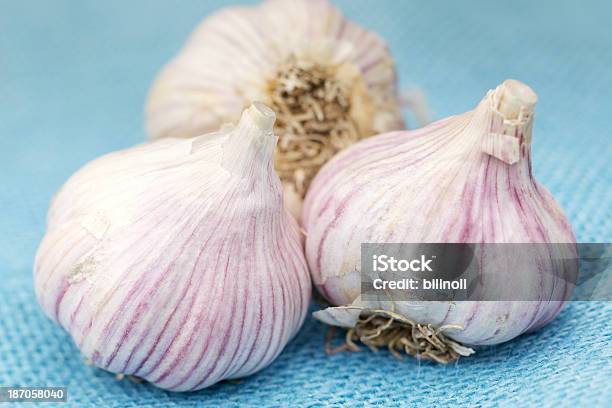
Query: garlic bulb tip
{"type": "Point", "coordinates": [262, 116]}
{"type": "Point", "coordinates": [515, 96]}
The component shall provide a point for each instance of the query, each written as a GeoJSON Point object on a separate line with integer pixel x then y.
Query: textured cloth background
{"type": "Point", "coordinates": [73, 80]}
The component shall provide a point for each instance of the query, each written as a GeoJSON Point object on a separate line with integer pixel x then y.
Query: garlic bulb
{"type": "Point", "coordinates": [464, 179]}
{"type": "Point", "coordinates": [175, 261]}
{"type": "Point", "coordinates": [330, 82]}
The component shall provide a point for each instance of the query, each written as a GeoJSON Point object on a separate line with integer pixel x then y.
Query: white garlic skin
{"type": "Point", "coordinates": [466, 178]}
{"type": "Point", "coordinates": [175, 261]}
{"type": "Point", "coordinates": [231, 57]}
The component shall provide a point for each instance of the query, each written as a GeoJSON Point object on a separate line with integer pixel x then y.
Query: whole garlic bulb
{"type": "Point", "coordinates": [464, 179]}
{"type": "Point", "coordinates": [330, 82]}
{"type": "Point", "coordinates": [175, 261]}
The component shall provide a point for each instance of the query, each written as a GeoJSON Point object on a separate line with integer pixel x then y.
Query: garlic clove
{"type": "Point", "coordinates": [467, 178]}
{"type": "Point", "coordinates": [330, 82]}
{"type": "Point", "coordinates": [175, 261]}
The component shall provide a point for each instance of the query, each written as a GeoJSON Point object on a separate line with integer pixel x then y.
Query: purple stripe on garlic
{"type": "Point", "coordinates": [330, 82]}
{"type": "Point", "coordinates": [466, 178]}
{"type": "Point", "coordinates": [176, 261]}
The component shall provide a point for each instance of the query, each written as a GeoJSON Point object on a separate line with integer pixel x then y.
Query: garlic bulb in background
{"type": "Point", "coordinates": [175, 261]}
{"type": "Point", "coordinates": [330, 82]}
{"type": "Point", "coordinates": [464, 179]}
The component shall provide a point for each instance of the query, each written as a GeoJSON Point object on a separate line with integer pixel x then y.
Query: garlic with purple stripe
{"type": "Point", "coordinates": [330, 82]}
{"type": "Point", "coordinates": [464, 179]}
{"type": "Point", "coordinates": [175, 261]}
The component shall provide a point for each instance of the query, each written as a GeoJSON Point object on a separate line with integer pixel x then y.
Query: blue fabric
{"type": "Point", "coordinates": [73, 78]}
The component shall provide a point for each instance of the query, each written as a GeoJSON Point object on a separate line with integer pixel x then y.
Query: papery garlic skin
{"type": "Point", "coordinates": [269, 52]}
{"type": "Point", "coordinates": [175, 261]}
{"type": "Point", "coordinates": [464, 179]}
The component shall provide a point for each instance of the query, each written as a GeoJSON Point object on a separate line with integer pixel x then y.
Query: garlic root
{"type": "Point", "coordinates": [398, 334]}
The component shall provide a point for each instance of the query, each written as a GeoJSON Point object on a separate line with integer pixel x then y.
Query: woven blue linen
{"type": "Point", "coordinates": [73, 80]}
